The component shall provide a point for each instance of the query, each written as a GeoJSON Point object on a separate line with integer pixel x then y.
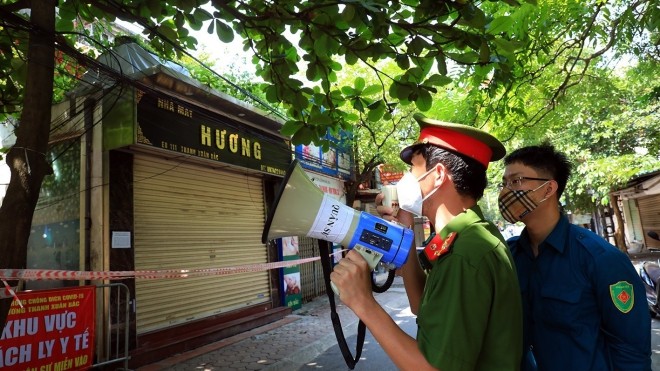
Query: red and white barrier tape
{"type": "Point", "coordinates": [51, 274]}
{"type": "Point", "coordinates": [9, 291]}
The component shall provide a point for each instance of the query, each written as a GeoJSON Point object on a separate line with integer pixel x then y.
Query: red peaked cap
{"type": "Point", "coordinates": [466, 140]}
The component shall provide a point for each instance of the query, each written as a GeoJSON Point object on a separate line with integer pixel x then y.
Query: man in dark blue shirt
{"type": "Point", "coordinates": [583, 303]}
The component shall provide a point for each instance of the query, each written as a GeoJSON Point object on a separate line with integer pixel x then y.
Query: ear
{"type": "Point", "coordinates": [551, 188]}
{"type": "Point", "coordinates": [441, 174]}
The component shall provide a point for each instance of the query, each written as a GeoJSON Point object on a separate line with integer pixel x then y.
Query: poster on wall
{"type": "Point", "coordinates": [335, 162]}
{"type": "Point", "coordinates": [291, 290]}
{"type": "Point", "coordinates": [54, 330]}
{"type": "Point", "coordinates": [329, 185]}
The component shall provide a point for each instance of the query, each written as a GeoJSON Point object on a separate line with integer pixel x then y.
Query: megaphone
{"type": "Point", "coordinates": [302, 209]}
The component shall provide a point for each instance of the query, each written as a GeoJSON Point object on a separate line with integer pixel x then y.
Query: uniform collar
{"type": "Point", "coordinates": [555, 239]}
{"type": "Point", "coordinates": [441, 243]}
{"type": "Point", "coordinates": [462, 221]}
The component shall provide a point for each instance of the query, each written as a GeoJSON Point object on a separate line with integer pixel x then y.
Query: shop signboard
{"type": "Point", "coordinates": [173, 125]}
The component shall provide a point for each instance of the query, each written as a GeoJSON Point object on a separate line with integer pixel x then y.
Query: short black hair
{"type": "Point", "coordinates": [544, 158]}
{"type": "Point", "coordinates": [468, 174]}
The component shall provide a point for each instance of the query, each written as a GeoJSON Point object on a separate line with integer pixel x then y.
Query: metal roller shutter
{"type": "Point", "coordinates": [649, 212]}
{"type": "Point", "coordinates": [188, 216]}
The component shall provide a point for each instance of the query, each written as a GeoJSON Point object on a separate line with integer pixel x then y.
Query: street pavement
{"type": "Point", "coordinates": [305, 340]}
{"type": "Point", "coordinates": [373, 356]}
{"type": "Point", "coordinates": [288, 344]}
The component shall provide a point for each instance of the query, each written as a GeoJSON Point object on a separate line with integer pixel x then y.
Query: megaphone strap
{"type": "Point", "coordinates": [351, 361]}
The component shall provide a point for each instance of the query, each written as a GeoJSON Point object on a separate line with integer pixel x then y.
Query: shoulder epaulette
{"type": "Point", "coordinates": [438, 247]}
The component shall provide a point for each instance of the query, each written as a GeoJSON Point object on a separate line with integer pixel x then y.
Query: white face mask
{"type": "Point", "coordinates": [410, 193]}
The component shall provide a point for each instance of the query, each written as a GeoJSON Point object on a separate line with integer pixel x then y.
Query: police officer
{"type": "Point", "coordinates": [468, 305]}
{"type": "Point", "coordinates": [584, 305]}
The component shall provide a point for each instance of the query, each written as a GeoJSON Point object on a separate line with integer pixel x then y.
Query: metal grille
{"type": "Point", "coordinates": [116, 323]}
{"type": "Point", "coordinates": [311, 274]}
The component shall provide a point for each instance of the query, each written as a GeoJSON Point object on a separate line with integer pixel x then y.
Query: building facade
{"type": "Point", "coordinates": [639, 202]}
{"type": "Point", "coordinates": [155, 172]}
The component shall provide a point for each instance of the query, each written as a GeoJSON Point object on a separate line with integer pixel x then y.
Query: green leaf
{"type": "Point", "coordinates": [336, 66]}
{"type": "Point", "coordinates": [473, 16]}
{"type": "Point", "coordinates": [66, 13]}
{"type": "Point", "coordinates": [424, 100]}
{"type": "Point", "coordinates": [154, 7]}
{"type": "Point", "coordinates": [179, 20]}
{"type": "Point", "coordinates": [224, 32]}
{"type": "Point", "coordinates": [271, 94]}
{"type": "Point", "coordinates": [400, 91]}
{"type": "Point", "coordinates": [396, 38]}
{"type": "Point", "coordinates": [304, 135]}
{"type": "Point", "coordinates": [312, 72]}
{"type": "Point", "coordinates": [358, 105]}
{"type": "Point", "coordinates": [414, 74]}
{"type": "Point", "coordinates": [351, 117]}
{"type": "Point", "coordinates": [64, 24]}
{"type": "Point", "coordinates": [320, 118]}
{"type": "Point", "coordinates": [359, 83]}
{"type": "Point", "coordinates": [499, 24]}
{"type": "Point", "coordinates": [417, 45]}
{"type": "Point", "coordinates": [442, 64]}
{"type": "Point", "coordinates": [464, 58]}
{"type": "Point", "coordinates": [202, 15]}
{"type": "Point", "coordinates": [167, 31]}
{"type": "Point", "coordinates": [321, 47]}
{"type": "Point", "coordinates": [437, 80]}
{"type": "Point", "coordinates": [186, 5]}
{"type": "Point", "coordinates": [348, 91]}
{"type": "Point", "coordinates": [350, 58]}
{"type": "Point", "coordinates": [402, 61]}
{"type": "Point", "coordinates": [348, 13]}
{"type": "Point", "coordinates": [372, 89]}
{"type": "Point", "coordinates": [193, 23]}
{"type": "Point", "coordinates": [377, 112]}
{"type": "Point", "coordinates": [290, 127]}
{"type": "Point", "coordinates": [505, 45]}
{"type": "Point", "coordinates": [484, 53]}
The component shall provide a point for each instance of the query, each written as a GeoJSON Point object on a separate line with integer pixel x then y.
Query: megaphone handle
{"type": "Point", "coordinates": [334, 288]}
{"type": "Point", "coordinates": [372, 258]}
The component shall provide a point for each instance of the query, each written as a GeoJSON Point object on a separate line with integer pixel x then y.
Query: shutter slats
{"type": "Point", "coordinates": [192, 217]}
{"type": "Point", "coordinates": [649, 212]}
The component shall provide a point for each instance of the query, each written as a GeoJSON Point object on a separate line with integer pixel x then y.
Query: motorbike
{"type": "Point", "coordinates": [650, 274]}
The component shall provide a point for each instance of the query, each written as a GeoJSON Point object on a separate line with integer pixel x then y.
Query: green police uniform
{"type": "Point", "coordinates": [470, 316]}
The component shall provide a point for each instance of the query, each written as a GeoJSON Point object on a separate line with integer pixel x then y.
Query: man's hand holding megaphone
{"type": "Point", "coordinates": [352, 275]}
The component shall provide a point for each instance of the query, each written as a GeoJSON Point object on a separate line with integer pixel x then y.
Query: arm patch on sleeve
{"type": "Point", "coordinates": [623, 296]}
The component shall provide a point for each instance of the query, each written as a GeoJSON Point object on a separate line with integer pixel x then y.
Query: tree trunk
{"type": "Point", "coordinates": [620, 227]}
{"type": "Point", "coordinates": [27, 159]}
{"type": "Point", "coordinates": [360, 177]}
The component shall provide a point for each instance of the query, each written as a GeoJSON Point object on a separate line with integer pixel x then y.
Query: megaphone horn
{"type": "Point", "coordinates": [302, 209]}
